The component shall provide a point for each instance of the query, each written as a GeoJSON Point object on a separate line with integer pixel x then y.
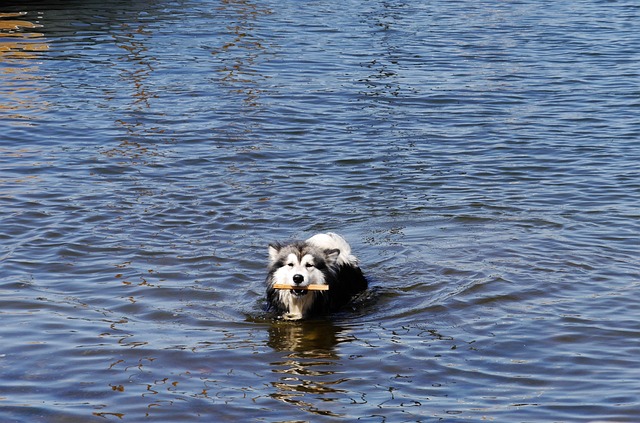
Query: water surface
{"type": "Point", "coordinates": [481, 158]}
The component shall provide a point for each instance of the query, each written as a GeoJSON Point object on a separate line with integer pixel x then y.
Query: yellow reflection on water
{"type": "Point", "coordinates": [19, 45]}
{"type": "Point", "coordinates": [15, 42]}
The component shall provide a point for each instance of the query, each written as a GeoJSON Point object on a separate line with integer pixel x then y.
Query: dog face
{"type": "Point", "coordinates": [300, 265]}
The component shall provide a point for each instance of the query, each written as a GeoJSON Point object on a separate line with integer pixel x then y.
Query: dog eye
{"type": "Point", "coordinates": [309, 264]}
{"type": "Point", "coordinates": [290, 264]}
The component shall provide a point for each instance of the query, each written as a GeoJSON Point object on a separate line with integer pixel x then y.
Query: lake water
{"type": "Point", "coordinates": [482, 158]}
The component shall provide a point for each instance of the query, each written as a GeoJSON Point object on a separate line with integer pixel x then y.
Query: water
{"type": "Point", "coordinates": [481, 158]}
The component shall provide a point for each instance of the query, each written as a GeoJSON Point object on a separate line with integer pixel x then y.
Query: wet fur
{"type": "Point", "coordinates": [322, 259]}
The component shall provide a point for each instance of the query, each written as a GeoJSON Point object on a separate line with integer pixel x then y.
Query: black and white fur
{"type": "Point", "coordinates": [323, 259]}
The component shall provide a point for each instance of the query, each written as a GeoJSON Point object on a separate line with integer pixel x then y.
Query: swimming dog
{"type": "Point", "coordinates": [322, 261]}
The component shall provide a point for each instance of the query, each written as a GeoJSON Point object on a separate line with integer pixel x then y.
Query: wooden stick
{"type": "Point", "coordinates": [308, 287]}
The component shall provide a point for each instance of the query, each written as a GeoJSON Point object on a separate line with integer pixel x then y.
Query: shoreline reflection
{"type": "Point", "coordinates": [20, 43]}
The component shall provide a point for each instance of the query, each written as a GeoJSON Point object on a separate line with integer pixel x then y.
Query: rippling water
{"type": "Point", "coordinates": [481, 157]}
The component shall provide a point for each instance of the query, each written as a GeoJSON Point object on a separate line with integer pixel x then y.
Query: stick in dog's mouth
{"type": "Point", "coordinates": [308, 287]}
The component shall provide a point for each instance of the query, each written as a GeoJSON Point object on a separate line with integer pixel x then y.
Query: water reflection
{"type": "Point", "coordinates": [306, 339]}
{"type": "Point", "coordinates": [307, 373]}
{"type": "Point", "coordinates": [136, 66]}
{"type": "Point", "coordinates": [18, 38]}
{"type": "Point", "coordinates": [383, 82]}
{"type": "Point", "coordinates": [20, 43]}
{"type": "Point", "coordinates": [239, 55]}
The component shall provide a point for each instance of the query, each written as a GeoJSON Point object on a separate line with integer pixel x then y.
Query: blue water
{"type": "Point", "coordinates": [482, 158]}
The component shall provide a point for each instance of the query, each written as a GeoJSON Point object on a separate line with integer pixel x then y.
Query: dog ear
{"type": "Point", "coordinates": [274, 250]}
{"type": "Point", "coordinates": [332, 255]}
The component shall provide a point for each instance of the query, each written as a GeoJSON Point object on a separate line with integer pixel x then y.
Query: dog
{"type": "Point", "coordinates": [323, 259]}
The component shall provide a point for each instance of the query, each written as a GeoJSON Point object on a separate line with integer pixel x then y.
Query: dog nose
{"type": "Point", "coordinates": [298, 279]}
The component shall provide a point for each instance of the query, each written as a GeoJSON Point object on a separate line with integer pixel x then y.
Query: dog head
{"type": "Point", "coordinates": [300, 264]}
